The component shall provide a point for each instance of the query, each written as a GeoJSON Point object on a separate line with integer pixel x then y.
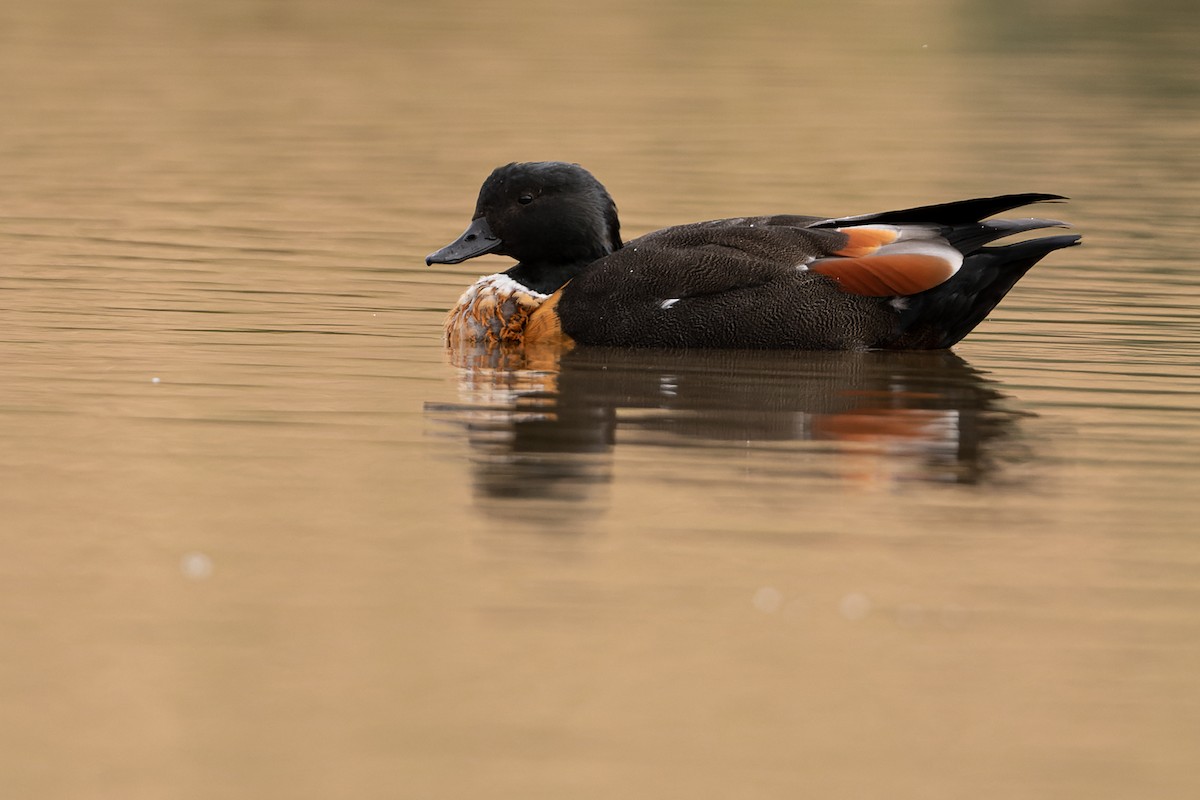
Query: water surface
{"type": "Point", "coordinates": [263, 537]}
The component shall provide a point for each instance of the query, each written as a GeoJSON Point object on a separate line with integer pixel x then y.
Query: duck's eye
{"type": "Point", "coordinates": [525, 199]}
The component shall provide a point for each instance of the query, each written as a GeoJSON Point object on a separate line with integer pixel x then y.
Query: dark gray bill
{"type": "Point", "coordinates": [476, 240]}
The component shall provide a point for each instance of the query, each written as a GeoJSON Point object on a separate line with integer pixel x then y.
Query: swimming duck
{"type": "Point", "coordinates": [917, 278]}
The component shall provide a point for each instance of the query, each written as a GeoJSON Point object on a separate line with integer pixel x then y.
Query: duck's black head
{"type": "Point", "coordinates": [553, 217]}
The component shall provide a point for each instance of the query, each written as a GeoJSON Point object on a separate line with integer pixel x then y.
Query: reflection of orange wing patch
{"type": "Point", "coordinates": [864, 240]}
{"type": "Point", "coordinates": [883, 426]}
{"type": "Point", "coordinates": [886, 275]}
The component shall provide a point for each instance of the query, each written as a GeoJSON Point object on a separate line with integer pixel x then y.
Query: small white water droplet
{"type": "Point", "coordinates": [196, 566]}
{"type": "Point", "coordinates": [768, 599]}
{"type": "Point", "coordinates": [855, 606]}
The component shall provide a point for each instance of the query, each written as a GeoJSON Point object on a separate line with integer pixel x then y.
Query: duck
{"type": "Point", "coordinates": [918, 278]}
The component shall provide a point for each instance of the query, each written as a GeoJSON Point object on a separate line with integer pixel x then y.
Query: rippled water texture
{"type": "Point", "coordinates": [260, 536]}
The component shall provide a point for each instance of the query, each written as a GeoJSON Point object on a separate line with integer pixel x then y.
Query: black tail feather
{"type": "Point", "coordinates": [969, 238]}
{"type": "Point", "coordinates": [941, 316]}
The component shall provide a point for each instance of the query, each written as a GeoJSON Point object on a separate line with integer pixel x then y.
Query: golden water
{"type": "Point", "coordinates": [261, 537]}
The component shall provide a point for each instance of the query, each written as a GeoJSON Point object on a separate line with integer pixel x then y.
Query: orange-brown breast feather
{"type": "Point", "coordinates": [493, 310]}
{"type": "Point", "coordinates": [886, 275]}
{"type": "Point", "coordinates": [545, 326]}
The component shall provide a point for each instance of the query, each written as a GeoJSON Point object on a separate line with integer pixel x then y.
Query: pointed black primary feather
{"type": "Point", "coordinates": [960, 212]}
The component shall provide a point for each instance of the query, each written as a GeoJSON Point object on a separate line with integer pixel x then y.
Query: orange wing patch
{"type": "Point", "coordinates": [889, 274]}
{"type": "Point", "coordinates": [864, 240]}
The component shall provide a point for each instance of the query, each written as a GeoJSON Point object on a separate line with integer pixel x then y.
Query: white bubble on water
{"type": "Point", "coordinates": [855, 606]}
{"type": "Point", "coordinates": [768, 599]}
{"type": "Point", "coordinates": [196, 566]}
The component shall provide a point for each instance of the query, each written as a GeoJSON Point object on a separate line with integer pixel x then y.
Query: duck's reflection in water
{"type": "Point", "coordinates": [545, 425]}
